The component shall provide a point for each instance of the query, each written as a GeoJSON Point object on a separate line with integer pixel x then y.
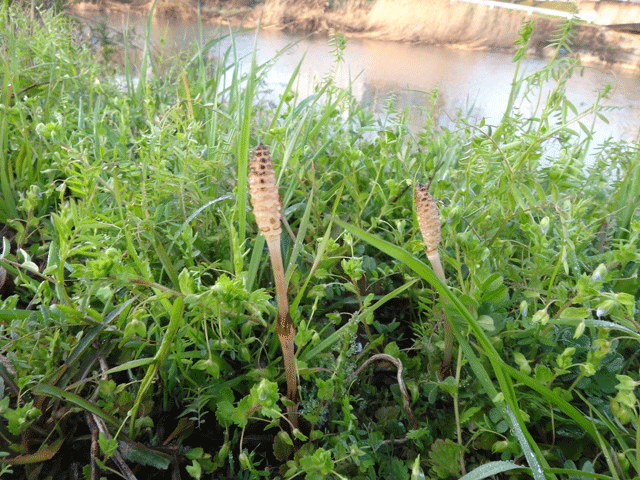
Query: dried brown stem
{"type": "Point", "coordinates": [117, 456]}
{"type": "Point", "coordinates": [267, 207]}
{"type": "Point", "coordinates": [94, 445]}
{"type": "Point", "coordinates": [401, 385]}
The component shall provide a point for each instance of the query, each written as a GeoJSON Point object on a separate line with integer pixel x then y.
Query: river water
{"type": "Point", "coordinates": [472, 81]}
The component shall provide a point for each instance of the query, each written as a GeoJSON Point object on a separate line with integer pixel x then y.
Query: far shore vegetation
{"type": "Point", "coordinates": [146, 334]}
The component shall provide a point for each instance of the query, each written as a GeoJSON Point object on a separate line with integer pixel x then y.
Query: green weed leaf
{"type": "Point", "coordinates": [317, 466]}
{"type": "Point", "coordinates": [107, 447]}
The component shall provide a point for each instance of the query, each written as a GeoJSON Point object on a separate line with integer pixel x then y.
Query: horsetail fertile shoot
{"type": "Point", "coordinates": [429, 222]}
{"type": "Point", "coordinates": [267, 207]}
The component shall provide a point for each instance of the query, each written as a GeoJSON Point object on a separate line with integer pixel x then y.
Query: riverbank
{"type": "Point", "coordinates": [439, 22]}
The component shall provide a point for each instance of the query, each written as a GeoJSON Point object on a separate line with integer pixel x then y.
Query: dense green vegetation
{"type": "Point", "coordinates": [137, 313]}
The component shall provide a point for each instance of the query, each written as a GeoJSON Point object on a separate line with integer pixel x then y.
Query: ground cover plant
{"type": "Point", "coordinates": [138, 317]}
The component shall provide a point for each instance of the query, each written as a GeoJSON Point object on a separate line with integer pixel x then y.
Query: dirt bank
{"type": "Point", "coordinates": [438, 22]}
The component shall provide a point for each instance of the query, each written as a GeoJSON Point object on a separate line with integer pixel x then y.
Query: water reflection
{"type": "Point", "coordinates": [474, 82]}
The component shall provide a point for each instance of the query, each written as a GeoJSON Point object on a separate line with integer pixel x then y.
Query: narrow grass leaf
{"type": "Point", "coordinates": [138, 453]}
{"type": "Point", "coordinates": [90, 337]}
{"type": "Point", "coordinates": [197, 212]}
{"type": "Point", "coordinates": [328, 112]}
{"type": "Point", "coordinates": [525, 441]}
{"type": "Point", "coordinates": [629, 189]}
{"type": "Point", "coordinates": [166, 262]}
{"type": "Point", "coordinates": [254, 262]}
{"type": "Point", "coordinates": [40, 456]}
{"type": "Point", "coordinates": [302, 232]}
{"type": "Point", "coordinates": [141, 362]}
{"type": "Point", "coordinates": [579, 474]}
{"type": "Point", "coordinates": [242, 146]}
{"type": "Point", "coordinates": [55, 392]}
{"type": "Point", "coordinates": [146, 55]}
{"type": "Point", "coordinates": [489, 469]}
{"type": "Point", "coordinates": [8, 208]}
{"type": "Point", "coordinates": [286, 91]}
{"type": "Point", "coordinates": [15, 314]}
{"type": "Point", "coordinates": [175, 322]}
{"type": "Point", "coordinates": [199, 54]}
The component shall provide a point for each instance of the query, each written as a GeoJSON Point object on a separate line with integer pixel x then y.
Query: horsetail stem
{"type": "Point", "coordinates": [429, 223]}
{"type": "Point", "coordinates": [267, 207]}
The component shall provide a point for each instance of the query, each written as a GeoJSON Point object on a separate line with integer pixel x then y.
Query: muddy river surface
{"type": "Point", "coordinates": [474, 82]}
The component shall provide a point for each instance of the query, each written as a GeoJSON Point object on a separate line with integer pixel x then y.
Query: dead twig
{"type": "Point", "coordinates": [94, 445]}
{"type": "Point", "coordinates": [117, 456]}
{"type": "Point", "coordinates": [97, 425]}
{"type": "Point", "coordinates": [403, 388]}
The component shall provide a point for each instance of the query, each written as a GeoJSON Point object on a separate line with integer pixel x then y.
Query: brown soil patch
{"type": "Point", "coordinates": [312, 16]}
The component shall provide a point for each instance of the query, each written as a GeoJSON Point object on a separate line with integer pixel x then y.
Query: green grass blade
{"type": "Point", "coordinates": [93, 334]}
{"type": "Point", "coordinates": [489, 469]}
{"type": "Point", "coordinates": [302, 232]}
{"type": "Point", "coordinates": [254, 263]}
{"type": "Point", "coordinates": [242, 147]}
{"type": "Point", "coordinates": [55, 392]}
{"type": "Point", "coordinates": [286, 91]}
{"type": "Point", "coordinates": [40, 456]}
{"type": "Point", "coordinates": [579, 473]}
{"type": "Point", "coordinates": [141, 362]}
{"type": "Point", "coordinates": [175, 323]}
{"type": "Point", "coordinates": [8, 208]}
{"type": "Point", "coordinates": [15, 314]}
{"type": "Point", "coordinates": [166, 262]}
{"type": "Point", "coordinates": [146, 55]}
{"type": "Point", "coordinates": [193, 216]}
{"type": "Point", "coordinates": [625, 205]}
{"type": "Point", "coordinates": [534, 459]}
{"type": "Point", "coordinates": [617, 434]}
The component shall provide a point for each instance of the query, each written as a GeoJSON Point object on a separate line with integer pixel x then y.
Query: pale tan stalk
{"type": "Point", "coordinates": [285, 329]}
{"type": "Point", "coordinates": [429, 222]}
{"type": "Point", "coordinates": [267, 207]}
